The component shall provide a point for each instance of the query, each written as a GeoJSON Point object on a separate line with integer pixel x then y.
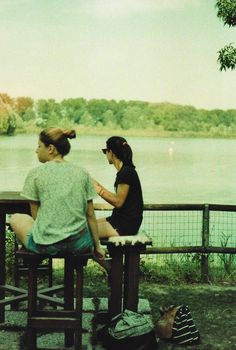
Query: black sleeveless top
{"type": "Point", "coordinates": [127, 219]}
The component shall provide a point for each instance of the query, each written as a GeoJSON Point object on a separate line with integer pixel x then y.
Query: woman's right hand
{"type": "Point", "coordinates": [97, 186]}
{"type": "Point", "coordinates": [99, 253]}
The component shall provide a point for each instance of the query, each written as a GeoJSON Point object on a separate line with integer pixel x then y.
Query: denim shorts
{"type": "Point", "coordinates": [79, 243]}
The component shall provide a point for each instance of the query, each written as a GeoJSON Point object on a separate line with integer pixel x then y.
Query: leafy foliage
{"type": "Point", "coordinates": [10, 247]}
{"type": "Point", "coordinates": [227, 57]}
{"type": "Point", "coordinates": [227, 12]}
{"type": "Point", "coordinates": [7, 115]}
{"type": "Point", "coordinates": [227, 259]}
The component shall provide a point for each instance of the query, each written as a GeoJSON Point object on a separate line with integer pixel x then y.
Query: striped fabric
{"type": "Point", "coordinates": [184, 330]}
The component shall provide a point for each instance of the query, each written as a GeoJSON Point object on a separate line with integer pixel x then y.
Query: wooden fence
{"type": "Point", "coordinates": [206, 212]}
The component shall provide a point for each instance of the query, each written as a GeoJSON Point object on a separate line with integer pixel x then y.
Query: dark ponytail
{"type": "Point", "coordinates": [120, 147]}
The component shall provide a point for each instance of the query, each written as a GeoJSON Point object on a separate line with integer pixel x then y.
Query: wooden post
{"type": "Point", "coordinates": [2, 265]}
{"type": "Point", "coordinates": [115, 300]}
{"type": "Point", "coordinates": [32, 306]}
{"type": "Point", "coordinates": [69, 295]}
{"type": "Point", "coordinates": [131, 279]}
{"type": "Point", "coordinates": [205, 243]}
{"type": "Point", "coordinates": [79, 303]}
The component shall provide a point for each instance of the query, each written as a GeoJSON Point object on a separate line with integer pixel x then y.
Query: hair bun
{"type": "Point", "coordinates": [69, 133]}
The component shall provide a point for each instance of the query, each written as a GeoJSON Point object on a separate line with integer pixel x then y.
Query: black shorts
{"type": "Point", "coordinates": [125, 228]}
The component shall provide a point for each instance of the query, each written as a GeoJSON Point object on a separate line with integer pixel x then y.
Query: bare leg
{"type": "Point", "coordinates": [21, 225]}
{"type": "Point", "coordinates": [105, 229]}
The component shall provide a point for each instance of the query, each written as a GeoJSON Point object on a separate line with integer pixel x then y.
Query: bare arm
{"type": "Point", "coordinates": [34, 206]}
{"type": "Point", "coordinates": [116, 199]}
{"type": "Point", "coordinates": [92, 223]}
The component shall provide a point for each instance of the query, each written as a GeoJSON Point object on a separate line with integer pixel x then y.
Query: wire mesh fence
{"type": "Point", "coordinates": [184, 227]}
{"type": "Point", "coordinates": [222, 228]}
{"type": "Point", "coordinates": [173, 228]}
{"type": "Point", "coordinates": [188, 226]}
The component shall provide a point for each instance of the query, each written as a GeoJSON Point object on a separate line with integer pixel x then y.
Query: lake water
{"type": "Point", "coordinates": [172, 170]}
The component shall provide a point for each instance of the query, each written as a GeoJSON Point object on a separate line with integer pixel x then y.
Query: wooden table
{"type": "Point", "coordinates": [125, 271]}
{"type": "Point", "coordinates": [124, 274]}
{"type": "Point", "coordinates": [12, 202]}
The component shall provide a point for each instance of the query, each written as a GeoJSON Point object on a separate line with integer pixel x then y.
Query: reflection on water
{"type": "Point", "coordinates": [171, 149]}
{"type": "Point", "coordinates": [171, 170]}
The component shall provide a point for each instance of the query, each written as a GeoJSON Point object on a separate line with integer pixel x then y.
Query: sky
{"type": "Point", "coordinates": [149, 50]}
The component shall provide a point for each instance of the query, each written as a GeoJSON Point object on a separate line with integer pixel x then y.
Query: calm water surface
{"type": "Point", "coordinates": [171, 170]}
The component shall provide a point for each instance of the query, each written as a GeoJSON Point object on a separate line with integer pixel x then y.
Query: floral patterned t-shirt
{"type": "Point", "coordinates": [63, 190]}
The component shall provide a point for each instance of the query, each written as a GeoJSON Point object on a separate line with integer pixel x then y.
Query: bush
{"type": "Point", "coordinates": [10, 252]}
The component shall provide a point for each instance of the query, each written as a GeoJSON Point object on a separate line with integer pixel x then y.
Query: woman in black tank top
{"type": "Point", "coordinates": [127, 199]}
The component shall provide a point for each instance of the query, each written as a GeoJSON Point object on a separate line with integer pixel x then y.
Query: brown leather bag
{"type": "Point", "coordinates": [165, 323]}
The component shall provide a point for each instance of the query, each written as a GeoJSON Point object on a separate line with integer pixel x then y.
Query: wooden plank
{"type": "Point", "coordinates": [51, 290]}
{"type": "Point", "coordinates": [55, 323]}
{"type": "Point", "coordinates": [12, 300]}
{"type": "Point", "coordinates": [12, 289]}
{"type": "Point", "coordinates": [14, 197]}
{"type": "Point", "coordinates": [51, 300]}
{"type": "Point", "coordinates": [55, 313]}
{"type": "Point", "coordinates": [167, 207]}
{"type": "Point", "coordinates": [198, 249]}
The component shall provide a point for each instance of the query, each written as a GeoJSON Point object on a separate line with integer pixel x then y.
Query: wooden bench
{"type": "Point", "coordinates": [125, 269]}
{"type": "Point", "coordinates": [69, 319]}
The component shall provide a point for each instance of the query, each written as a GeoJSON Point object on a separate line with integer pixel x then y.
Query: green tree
{"type": "Point", "coordinates": [6, 100]}
{"type": "Point", "coordinates": [87, 120]}
{"type": "Point", "coordinates": [7, 121]}
{"type": "Point", "coordinates": [131, 117]}
{"type": "Point", "coordinates": [108, 118]}
{"type": "Point", "coordinates": [48, 112]}
{"type": "Point", "coordinates": [24, 108]}
{"type": "Point", "coordinates": [97, 108]}
{"type": "Point", "coordinates": [73, 108]}
{"type": "Point", "coordinates": [226, 11]}
{"type": "Point", "coordinates": [7, 115]}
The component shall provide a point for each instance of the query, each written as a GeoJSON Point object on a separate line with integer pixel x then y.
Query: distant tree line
{"type": "Point", "coordinates": [22, 114]}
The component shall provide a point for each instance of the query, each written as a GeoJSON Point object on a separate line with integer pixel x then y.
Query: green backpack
{"type": "Point", "coordinates": [128, 330]}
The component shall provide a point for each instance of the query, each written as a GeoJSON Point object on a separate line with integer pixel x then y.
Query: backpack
{"type": "Point", "coordinates": [128, 330]}
{"type": "Point", "coordinates": [176, 324]}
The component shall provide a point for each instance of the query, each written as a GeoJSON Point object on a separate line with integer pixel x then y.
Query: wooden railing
{"type": "Point", "coordinates": [11, 202]}
{"type": "Point", "coordinates": [205, 248]}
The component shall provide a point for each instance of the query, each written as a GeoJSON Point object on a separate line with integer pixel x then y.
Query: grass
{"type": "Point", "coordinates": [212, 308]}
{"type": "Point", "coordinates": [212, 305]}
{"type": "Point", "coordinates": [187, 270]}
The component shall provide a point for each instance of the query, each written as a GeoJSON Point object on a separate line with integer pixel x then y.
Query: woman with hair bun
{"type": "Point", "coordinates": [61, 201]}
{"type": "Point", "coordinates": [127, 200]}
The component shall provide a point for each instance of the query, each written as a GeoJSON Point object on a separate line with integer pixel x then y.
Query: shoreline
{"type": "Point", "coordinates": [105, 131]}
